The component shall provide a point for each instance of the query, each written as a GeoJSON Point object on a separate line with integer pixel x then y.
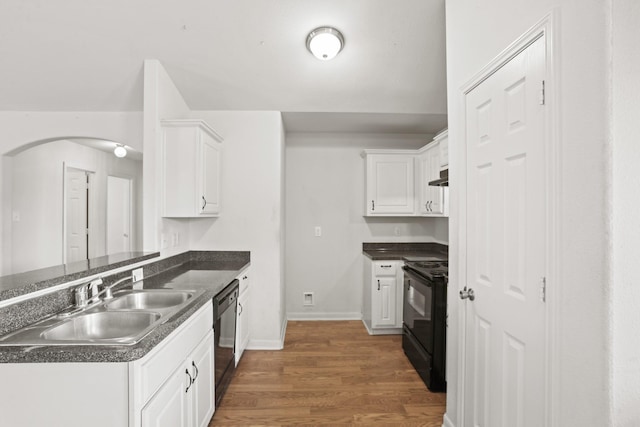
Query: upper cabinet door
{"type": "Point", "coordinates": [390, 184]}
{"type": "Point", "coordinates": [191, 162]}
{"type": "Point", "coordinates": [210, 176]}
{"type": "Point", "coordinates": [431, 202]}
{"type": "Point", "coordinates": [443, 142]}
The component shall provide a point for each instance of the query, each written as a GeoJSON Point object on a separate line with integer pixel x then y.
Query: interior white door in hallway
{"type": "Point", "coordinates": [118, 215]}
{"type": "Point", "coordinates": [504, 375]}
{"type": "Point", "coordinates": [76, 215]}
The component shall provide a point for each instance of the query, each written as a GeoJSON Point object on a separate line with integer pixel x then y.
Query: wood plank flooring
{"type": "Point", "coordinates": [330, 373]}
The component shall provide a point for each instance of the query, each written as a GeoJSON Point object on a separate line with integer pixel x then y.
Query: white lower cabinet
{"type": "Point", "coordinates": [382, 302]}
{"type": "Point", "coordinates": [172, 386]}
{"type": "Point", "coordinates": [169, 407]}
{"type": "Point", "coordinates": [187, 398]}
{"type": "Point", "coordinates": [242, 316]}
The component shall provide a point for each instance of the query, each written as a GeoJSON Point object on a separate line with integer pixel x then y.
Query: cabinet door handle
{"type": "Point", "coordinates": [240, 309]}
{"type": "Point", "coordinates": [430, 207]}
{"type": "Point", "coordinates": [386, 266]}
{"type": "Point", "coordinates": [378, 284]}
{"type": "Point", "coordinates": [195, 375]}
{"type": "Point", "coordinates": [204, 202]}
{"type": "Point", "coordinates": [245, 278]}
{"type": "Point", "coordinates": [373, 205]}
{"type": "Point", "coordinates": [186, 371]}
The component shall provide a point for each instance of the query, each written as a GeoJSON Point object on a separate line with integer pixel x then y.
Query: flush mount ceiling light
{"type": "Point", "coordinates": [325, 42]}
{"type": "Point", "coordinates": [120, 151]}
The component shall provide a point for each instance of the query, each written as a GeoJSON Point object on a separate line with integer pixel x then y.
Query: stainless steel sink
{"type": "Point", "coordinates": [123, 320]}
{"type": "Point", "coordinates": [106, 325]}
{"type": "Point", "coordinates": [147, 300]}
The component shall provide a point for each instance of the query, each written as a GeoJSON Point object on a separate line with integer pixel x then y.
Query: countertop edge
{"type": "Point", "coordinates": [108, 353]}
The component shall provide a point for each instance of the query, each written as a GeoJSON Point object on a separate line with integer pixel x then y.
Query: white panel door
{"type": "Point", "coordinates": [76, 220]}
{"type": "Point", "coordinates": [118, 215]}
{"type": "Point", "coordinates": [506, 211]}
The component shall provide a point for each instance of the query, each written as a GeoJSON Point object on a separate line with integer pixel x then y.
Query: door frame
{"type": "Point", "coordinates": [90, 208]}
{"type": "Point", "coordinates": [130, 179]}
{"type": "Point", "coordinates": [547, 27]}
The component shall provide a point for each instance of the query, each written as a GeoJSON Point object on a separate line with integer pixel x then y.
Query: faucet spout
{"type": "Point", "coordinates": [107, 290]}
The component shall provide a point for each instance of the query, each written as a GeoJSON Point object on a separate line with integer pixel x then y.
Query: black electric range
{"type": "Point", "coordinates": [425, 318]}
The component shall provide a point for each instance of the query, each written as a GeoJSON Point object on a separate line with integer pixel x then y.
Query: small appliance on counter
{"type": "Point", "coordinates": [425, 318]}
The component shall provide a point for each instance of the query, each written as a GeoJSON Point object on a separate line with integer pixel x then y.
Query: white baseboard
{"type": "Point", "coordinates": [324, 316]}
{"type": "Point", "coordinates": [278, 344]}
{"type": "Point", "coordinates": [384, 331]}
{"type": "Point", "coordinates": [446, 422]}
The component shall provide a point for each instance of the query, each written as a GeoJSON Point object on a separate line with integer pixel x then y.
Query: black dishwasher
{"type": "Point", "coordinates": [224, 333]}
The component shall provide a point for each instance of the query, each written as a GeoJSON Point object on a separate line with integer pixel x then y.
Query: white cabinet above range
{"type": "Point", "coordinates": [397, 181]}
{"type": "Point", "coordinates": [390, 182]}
{"type": "Point", "coordinates": [191, 162]}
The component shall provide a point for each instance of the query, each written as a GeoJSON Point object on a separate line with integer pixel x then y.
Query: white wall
{"type": "Point", "coordinates": [28, 128]}
{"type": "Point", "coordinates": [252, 212]}
{"type": "Point", "coordinates": [476, 33]}
{"type": "Point", "coordinates": [162, 100]}
{"type": "Point", "coordinates": [38, 181]}
{"type": "Point", "coordinates": [625, 274]}
{"type": "Point", "coordinates": [325, 187]}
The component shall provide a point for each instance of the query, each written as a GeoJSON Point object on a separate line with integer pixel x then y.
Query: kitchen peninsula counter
{"type": "Point", "coordinates": [207, 272]}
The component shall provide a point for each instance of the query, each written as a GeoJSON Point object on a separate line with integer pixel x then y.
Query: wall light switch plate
{"type": "Point", "coordinates": [318, 231]}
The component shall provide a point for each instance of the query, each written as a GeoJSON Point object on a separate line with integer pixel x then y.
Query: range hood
{"type": "Point", "coordinates": [443, 181]}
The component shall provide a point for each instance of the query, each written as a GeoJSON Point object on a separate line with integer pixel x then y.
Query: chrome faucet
{"type": "Point", "coordinates": [89, 293]}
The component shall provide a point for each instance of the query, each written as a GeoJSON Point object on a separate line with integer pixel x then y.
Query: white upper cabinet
{"type": "Point", "coordinates": [390, 182]}
{"type": "Point", "coordinates": [191, 163]}
{"type": "Point", "coordinates": [443, 141]}
{"type": "Point", "coordinates": [431, 198]}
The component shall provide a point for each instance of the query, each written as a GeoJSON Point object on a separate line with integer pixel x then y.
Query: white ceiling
{"type": "Point", "coordinates": [232, 55]}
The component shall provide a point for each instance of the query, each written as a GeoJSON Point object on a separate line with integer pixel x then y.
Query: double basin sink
{"type": "Point", "coordinates": [122, 320]}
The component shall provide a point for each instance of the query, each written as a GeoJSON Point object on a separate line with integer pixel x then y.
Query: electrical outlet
{"type": "Point", "coordinates": [307, 298]}
{"type": "Point", "coordinates": [318, 231]}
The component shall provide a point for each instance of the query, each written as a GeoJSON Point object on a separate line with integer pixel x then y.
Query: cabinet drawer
{"type": "Point", "coordinates": [156, 367]}
{"type": "Point", "coordinates": [385, 268]}
{"type": "Point", "coordinates": [243, 278]}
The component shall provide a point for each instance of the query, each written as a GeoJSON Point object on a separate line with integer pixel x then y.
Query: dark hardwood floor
{"type": "Point", "coordinates": [330, 373]}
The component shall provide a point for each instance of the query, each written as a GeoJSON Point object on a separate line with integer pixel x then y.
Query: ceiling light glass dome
{"type": "Point", "coordinates": [325, 43]}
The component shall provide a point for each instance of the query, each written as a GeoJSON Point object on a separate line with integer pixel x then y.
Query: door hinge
{"type": "Point", "coordinates": [543, 289]}
{"type": "Point", "coordinates": [542, 94]}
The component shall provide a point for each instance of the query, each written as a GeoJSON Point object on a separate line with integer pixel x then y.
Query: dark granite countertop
{"type": "Point", "coordinates": [210, 276]}
{"type": "Point", "coordinates": [30, 281]}
{"type": "Point", "coordinates": [398, 251]}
